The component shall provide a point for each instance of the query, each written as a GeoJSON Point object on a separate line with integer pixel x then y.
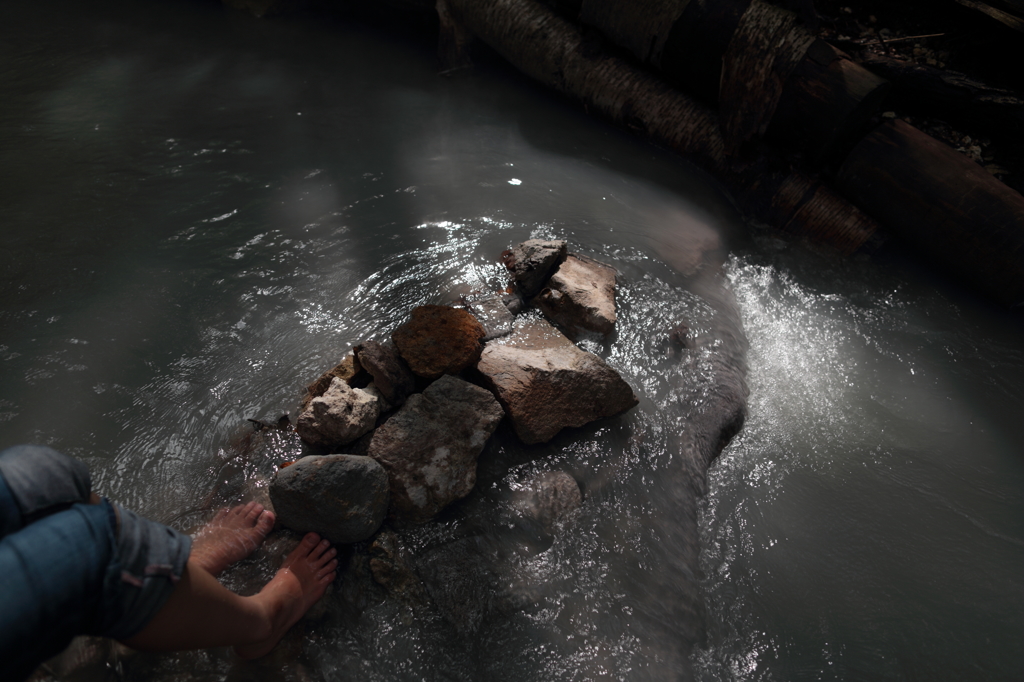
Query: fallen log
{"type": "Point", "coordinates": [943, 204]}
{"type": "Point", "coordinates": [767, 45]}
{"type": "Point", "coordinates": [1005, 18]}
{"type": "Point", "coordinates": [760, 64]}
{"type": "Point", "coordinates": [951, 96]}
{"type": "Point", "coordinates": [555, 52]}
{"type": "Point", "coordinates": [826, 104]}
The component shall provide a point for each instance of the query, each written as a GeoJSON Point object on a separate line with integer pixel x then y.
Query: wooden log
{"type": "Point", "coordinates": [640, 26]}
{"type": "Point", "coordinates": [768, 44]}
{"type": "Point", "coordinates": [827, 102]}
{"type": "Point", "coordinates": [693, 50]}
{"type": "Point", "coordinates": [1005, 18]}
{"type": "Point", "coordinates": [951, 96]}
{"type": "Point", "coordinates": [749, 56]}
{"type": "Point", "coordinates": [553, 51]}
{"type": "Point", "coordinates": [943, 204]}
{"type": "Point", "coordinates": [453, 40]}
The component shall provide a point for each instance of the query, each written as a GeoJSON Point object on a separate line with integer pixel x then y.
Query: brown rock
{"type": "Point", "coordinates": [390, 374]}
{"type": "Point", "coordinates": [430, 446]}
{"type": "Point", "coordinates": [546, 383]}
{"type": "Point", "coordinates": [439, 340]}
{"type": "Point", "coordinates": [580, 296]}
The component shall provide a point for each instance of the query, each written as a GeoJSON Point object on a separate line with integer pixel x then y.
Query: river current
{"type": "Point", "coordinates": [201, 211]}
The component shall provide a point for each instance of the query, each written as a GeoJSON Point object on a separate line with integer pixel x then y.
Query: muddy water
{"type": "Point", "coordinates": [200, 212]}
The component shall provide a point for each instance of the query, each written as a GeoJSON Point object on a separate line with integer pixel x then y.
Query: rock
{"type": "Point", "coordinates": [392, 570]}
{"type": "Point", "coordinates": [382, 402]}
{"type": "Point", "coordinates": [342, 497]}
{"type": "Point", "coordinates": [546, 383]}
{"type": "Point", "coordinates": [580, 296]}
{"type": "Point", "coordinates": [680, 336]}
{"type": "Point", "coordinates": [439, 340]}
{"type": "Point", "coordinates": [548, 500]}
{"type": "Point", "coordinates": [495, 316]}
{"type": "Point", "coordinates": [514, 302]}
{"type": "Point", "coordinates": [532, 261]}
{"type": "Point", "coordinates": [341, 415]}
{"type": "Point", "coordinates": [348, 370]}
{"type": "Point", "coordinates": [461, 581]}
{"type": "Point", "coordinates": [390, 373]}
{"type": "Point", "coordinates": [430, 446]}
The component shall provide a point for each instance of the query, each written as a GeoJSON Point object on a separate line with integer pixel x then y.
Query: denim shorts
{"type": "Point", "coordinates": [71, 568]}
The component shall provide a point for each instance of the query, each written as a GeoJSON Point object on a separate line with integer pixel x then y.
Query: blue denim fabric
{"type": "Point", "coordinates": [42, 481]}
{"type": "Point", "coordinates": [72, 570]}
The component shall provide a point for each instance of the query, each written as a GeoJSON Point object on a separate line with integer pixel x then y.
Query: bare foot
{"type": "Point", "coordinates": [232, 535]}
{"type": "Point", "coordinates": [302, 580]}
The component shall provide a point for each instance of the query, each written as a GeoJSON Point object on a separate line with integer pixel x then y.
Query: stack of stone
{"type": "Point", "coordinates": [412, 415]}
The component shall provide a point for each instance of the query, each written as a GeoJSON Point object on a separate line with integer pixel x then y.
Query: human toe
{"type": "Point", "coordinates": [265, 521]}
{"type": "Point", "coordinates": [329, 569]}
{"type": "Point", "coordinates": [309, 542]}
{"type": "Point", "coordinates": [253, 511]}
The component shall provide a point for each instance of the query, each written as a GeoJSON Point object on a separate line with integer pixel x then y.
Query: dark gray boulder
{"type": "Point", "coordinates": [391, 375]}
{"type": "Point", "coordinates": [430, 446]}
{"type": "Point", "coordinates": [545, 383]}
{"type": "Point", "coordinates": [532, 261]}
{"type": "Point", "coordinates": [344, 498]}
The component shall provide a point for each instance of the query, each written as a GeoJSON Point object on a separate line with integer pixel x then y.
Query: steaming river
{"type": "Point", "coordinates": [200, 212]}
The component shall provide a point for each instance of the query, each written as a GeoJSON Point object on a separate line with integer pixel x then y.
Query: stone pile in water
{"type": "Point", "coordinates": [406, 420]}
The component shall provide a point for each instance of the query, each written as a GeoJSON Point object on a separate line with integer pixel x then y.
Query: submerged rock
{"type": "Point", "coordinates": [390, 374]}
{"type": "Point", "coordinates": [545, 383]}
{"type": "Point", "coordinates": [461, 581]}
{"type": "Point", "coordinates": [532, 261]}
{"type": "Point", "coordinates": [494, 314]}
{"type": "Point", "coordinates": [391, 569]}
{"type": "Point", "coordinates": [339, 416]}
{"type": "Point", "coordinates": [342, 497]}
{"type": "Point", "coordinates": [439, 340]}
{"type": "Point", "coordinates": [580, 296]}
{"type": "Point", "coordinates": [430, 446]}
{"type": "Point", "coordinates": [548, 500]}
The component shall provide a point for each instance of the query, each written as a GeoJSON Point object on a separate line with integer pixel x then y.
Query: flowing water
{"type": "Point", "coordinates": [200, 212]}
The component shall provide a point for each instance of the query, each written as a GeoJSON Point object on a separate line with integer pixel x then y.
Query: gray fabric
{"type": "Point", "coordinates": [152, 558]}
{"type": "Point", "coordinates": [43, 481]}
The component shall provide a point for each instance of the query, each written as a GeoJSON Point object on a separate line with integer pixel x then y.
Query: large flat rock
{"type": "Point", "coordinates": [545, 383]}
{"type": "Point", "coordinates": [430, 446]}
{"type": "Point", "coordinates": [580, 296]}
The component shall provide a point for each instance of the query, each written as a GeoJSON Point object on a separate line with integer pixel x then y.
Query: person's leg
{"type": "Point", "coordinates": [231, 536]}
{"type": "Point", "coordinates": [53, 575]}
{"type": "Point", "coordinates": [202, 613]}
{"type": "Point", "coordinates": [38, 481]}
